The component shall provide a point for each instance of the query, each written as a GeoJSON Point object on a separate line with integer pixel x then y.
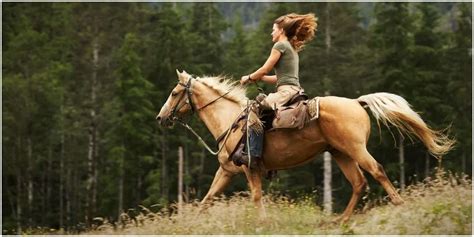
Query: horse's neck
{"type": "Point", "coordinates": [218, 116]}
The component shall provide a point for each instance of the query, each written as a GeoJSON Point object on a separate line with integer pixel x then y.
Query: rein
{"type": "Point", "coordinates": [187, 87]}
{"type": "Point", "coordinates": [219, 139]}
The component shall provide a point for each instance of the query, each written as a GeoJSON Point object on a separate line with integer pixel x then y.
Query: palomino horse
{"type": "Point", "coordinates": [343, 128]}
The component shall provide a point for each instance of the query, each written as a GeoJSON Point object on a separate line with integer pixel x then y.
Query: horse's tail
{"type": "Point", "coordinates": [393, 109]}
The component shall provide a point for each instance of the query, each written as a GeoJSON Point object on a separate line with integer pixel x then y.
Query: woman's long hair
{"type": "Point", "coordinates": [298, 28]}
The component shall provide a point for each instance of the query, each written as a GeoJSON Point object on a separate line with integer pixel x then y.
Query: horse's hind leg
{"type": "Point", "coordinates": [221, 180]}
{"type": "Point", "coordinates": [354, 175]}
{"type": "Point", "coordinates": [368, 163]}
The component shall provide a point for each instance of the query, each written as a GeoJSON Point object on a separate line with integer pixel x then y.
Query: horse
{"type": "Point", "coordinates": [343, 129]}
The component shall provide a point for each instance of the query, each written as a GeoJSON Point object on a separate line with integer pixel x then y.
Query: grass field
{"type": "Point", "coordinates": [439, 206]}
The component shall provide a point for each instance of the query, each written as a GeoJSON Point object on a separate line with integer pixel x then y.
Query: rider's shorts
{"type": "Point", "coordinates": [283, 94]}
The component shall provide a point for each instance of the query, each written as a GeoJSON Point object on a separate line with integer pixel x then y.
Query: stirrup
{"type": "Point", "coordinates": [253, 163]}
{"type": "Point", "coordinates": [237, 156]}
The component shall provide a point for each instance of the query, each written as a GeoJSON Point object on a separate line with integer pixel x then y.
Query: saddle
{"type": "Point", "coordinates": [293, 114]}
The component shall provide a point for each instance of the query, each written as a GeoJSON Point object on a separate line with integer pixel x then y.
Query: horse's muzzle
{"type": "Point", "coordinates": [164, 121]}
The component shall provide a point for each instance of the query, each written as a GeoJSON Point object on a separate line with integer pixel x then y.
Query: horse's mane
{"type": "Point", "coordinates": [223, 84]}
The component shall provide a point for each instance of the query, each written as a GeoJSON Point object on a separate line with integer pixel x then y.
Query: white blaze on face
{"type": "Point", "coordinates": [163, 109]}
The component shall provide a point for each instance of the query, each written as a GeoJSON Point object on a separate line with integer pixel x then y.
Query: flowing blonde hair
{"type": "Point", "coordinates": [298, 28]}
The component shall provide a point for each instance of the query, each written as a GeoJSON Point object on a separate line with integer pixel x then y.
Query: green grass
{"type": "Point", "coordinates": [439, 206]}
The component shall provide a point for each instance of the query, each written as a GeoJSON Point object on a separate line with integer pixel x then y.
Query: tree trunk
{"type": "Point", "coordinates": [61, 181]}
{"type": "Point", "coordinates": [120, 193]}
{"type": "Point", "coordinates": [76, 201]}
{"type": "Point", "coordinates": [327, 156]}
{"type": "Point", "coordinates": [138, 189]}
{"type": "Point", "coordinates": [427, 164]}
{"type": "Point", "coordinates": [30, 180]}
{"type": "Point", "coordinates": [68, 189]}
{"type": "Point", "coordinates": [327, 202]}
{"type": "Point", "coordinates": [18, 202]}
{"type": "Point", "coordinates": [121, 181]}
{"type": "Point", "coordinates": [10, 196]}
{"type": "Point", "coordinates": [96, 174]}
{"type": "Point", "coordinates": [201, 172]}
{"type": "Point", "coordinates": [49, 184]}
{"type": "Point", "coordinates": [91, 177]}
{"type": "Point", "coordinates": [67, 196]}
{"type": "Point", "coordinates": [186, 172]}
{"type": "Point", "coordinates": [180, 179]}
{"type": "Point", "coordinates": [164, 178]}
{"type": "Point", "coordinates": [328, 28]}
{"type": "Point", "coordinates": [401, 156]}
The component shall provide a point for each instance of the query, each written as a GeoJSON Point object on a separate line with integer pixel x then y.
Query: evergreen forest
{"type": "Point", "coordinates": [83, 82]}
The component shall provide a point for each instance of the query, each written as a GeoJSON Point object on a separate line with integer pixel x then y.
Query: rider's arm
{"type": "Point", "coordinates": [266, 68]}
{"type": "Point", "coordinates": [269, 79]}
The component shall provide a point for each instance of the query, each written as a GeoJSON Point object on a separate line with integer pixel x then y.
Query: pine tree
{"type": "Point", "coordinates": [458, 66]}
{"type": "Point", "coordinates": [36, 50]}
{"type": "Point", "coordinates": [205, 29]}
{"type": "Point", "coordinates": [168, 44]}
{"type": "Point", "coordinates": [428, 79]}
{"type": "Point", "coordinates": [130, 136]}
{"type": "Point", "coordinates": [392, 42]}
{"type": "Point", "coordinates": [426, 59]}
{"type": "Point", "coordinates": [102, 30]}
{"type": "Point", "coordinates": [237, 52]}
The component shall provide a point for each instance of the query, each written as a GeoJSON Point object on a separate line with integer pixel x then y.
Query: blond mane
{"type": "Point", "coordinates": [222, 85]}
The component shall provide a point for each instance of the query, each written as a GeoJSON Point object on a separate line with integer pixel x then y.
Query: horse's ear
{"type": "Point", "coordinates": [178, 73]}
{"type": "Point", "coordinates": [184, 75]}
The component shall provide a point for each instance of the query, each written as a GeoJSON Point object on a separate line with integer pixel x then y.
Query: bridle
{"type": "Point", "coordinates": [189, 93]}
{"type": "Point", "coordinates": [180, 104]}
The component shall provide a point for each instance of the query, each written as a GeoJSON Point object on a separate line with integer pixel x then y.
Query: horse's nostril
{"type": "Point", "coordinates": [158, 118]}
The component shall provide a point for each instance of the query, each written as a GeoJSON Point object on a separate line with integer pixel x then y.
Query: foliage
{"type": "Point", "coordinates": [55, 55]}
{"type": "Point", "coordinates": [438, 206]}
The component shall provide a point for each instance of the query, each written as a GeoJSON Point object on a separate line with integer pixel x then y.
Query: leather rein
{"type": "Point", "coordinates": [224, 136]}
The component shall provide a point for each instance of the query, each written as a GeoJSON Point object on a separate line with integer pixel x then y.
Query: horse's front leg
{"type": "Point", "coordinates": [221, 180]}
{"type": "Point", "coordinates": [254, 177]}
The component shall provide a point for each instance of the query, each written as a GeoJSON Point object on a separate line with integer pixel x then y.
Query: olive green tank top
{"type": "Point", "coordinates": [287, 67]}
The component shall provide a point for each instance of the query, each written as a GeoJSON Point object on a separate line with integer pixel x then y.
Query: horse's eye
{"type": "Point", "coordinates": [173, 93]}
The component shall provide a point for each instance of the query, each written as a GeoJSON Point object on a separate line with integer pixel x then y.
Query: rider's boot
{"type": "Point", "coordinates": [241, 156]}
{"type": "Point", "coordinates": [256, 149]}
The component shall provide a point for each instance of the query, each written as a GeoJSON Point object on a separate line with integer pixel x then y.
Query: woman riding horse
{"type": "Point", "coordinates": [343, 125]}
{"type": "Point", "coordinates": [290, 33]}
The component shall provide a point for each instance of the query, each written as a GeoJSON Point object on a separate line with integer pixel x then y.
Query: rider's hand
{"type": "Point", "coordinates": [244, 80]}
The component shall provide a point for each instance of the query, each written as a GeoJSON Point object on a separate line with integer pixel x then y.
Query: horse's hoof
{"type": "Point", "coordinates": [397, 201]}
{"type": "Point", "coordinates": [340, 220]}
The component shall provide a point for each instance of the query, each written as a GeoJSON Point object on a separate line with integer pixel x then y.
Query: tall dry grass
{"type": "Point", "coordinates": [439, 206]}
